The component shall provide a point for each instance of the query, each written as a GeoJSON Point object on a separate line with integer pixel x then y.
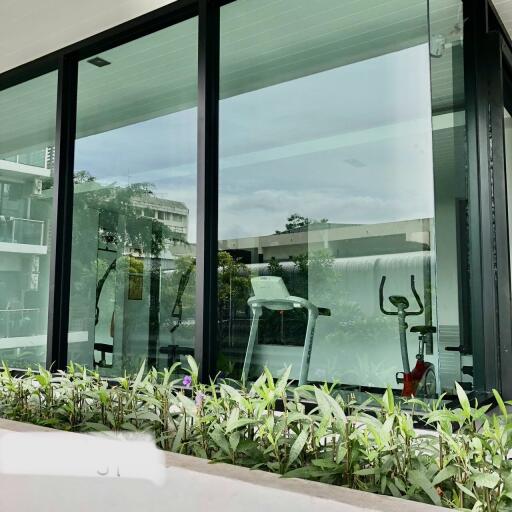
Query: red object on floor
{"type": "Point", "coordinates": [412, 379]}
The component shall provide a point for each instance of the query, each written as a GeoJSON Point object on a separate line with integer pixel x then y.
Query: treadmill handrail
{"type": "Point", "coordinates": [290, 301]}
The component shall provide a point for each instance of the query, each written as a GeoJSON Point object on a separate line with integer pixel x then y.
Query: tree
{"type": "Point", "coordinates": [234, 288]}
{"type": "Point", "coordinates": [297, 222]}
{"type": "Point", "coordinates": [78, 177]}
{"type": "Point", "coordinates": [83, 177]}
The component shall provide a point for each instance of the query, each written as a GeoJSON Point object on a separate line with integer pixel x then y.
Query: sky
{"type": "Point", "coordinates": [351, 144]}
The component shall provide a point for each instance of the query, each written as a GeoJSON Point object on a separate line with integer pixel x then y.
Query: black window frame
{"type": "Point", "coordinates": [489, 306]}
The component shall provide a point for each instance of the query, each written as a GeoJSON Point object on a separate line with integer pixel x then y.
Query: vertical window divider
{"type": "Point", "coordinates": [62, 217]}
{"type": "Point", "coordinates": [483, 307]}
{"type": "Point", "coordinates": [207, 186]}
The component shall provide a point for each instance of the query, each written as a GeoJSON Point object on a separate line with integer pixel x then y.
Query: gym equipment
{"type": "Point", "coordinates": [421, 381]}
{"type": "Point", "coordinates": [103, 348]}
{"type": "Point", "coordinates": [174, 351]}
{"type": "Point", "coordinates": [270, 292]}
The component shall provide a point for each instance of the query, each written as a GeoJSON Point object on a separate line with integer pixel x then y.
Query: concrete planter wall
{"type": "Point", "coordinates": [186, 483]}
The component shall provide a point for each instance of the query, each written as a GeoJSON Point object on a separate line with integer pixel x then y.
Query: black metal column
{"type": "Point", "coordinates": [207, 187]}
{"type": "Point", "coordinates": [62, 220]}
{"type": "Point", "coordinates": [484, 321]}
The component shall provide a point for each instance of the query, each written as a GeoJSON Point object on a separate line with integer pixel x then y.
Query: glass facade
{"type": "Point", "coordinates": [451, 193]}
{"type": "Point", "coordinates": [507, 127]}
{"type": "Point", "coordinates": [338, 184]}
{"type": "Point", "coordinates": [134, 228]}
{"type": "Point", "coordinates": [27, 132]}
{"type": "Point", "coordinates": [356, 231]}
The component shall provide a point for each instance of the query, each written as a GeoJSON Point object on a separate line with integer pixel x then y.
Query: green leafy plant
{"type": "Point", "coordinates": [461, 461]}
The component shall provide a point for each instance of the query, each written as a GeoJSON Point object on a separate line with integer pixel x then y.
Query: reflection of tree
{"type": "Point", "coordinates": [274, 268]}
{"type": "Point", "coordinates": [317, 277]}
{"type": "Point", "coordinates": [106, 218]}
{"type": "Point", "coordinates": [83, 177]}
{"type": "Point", "coordinates": [169, 294]}
{"type": "Point", "coordinates": [115, 206]}
{"type": "Point", "coordinates": [234, 287]}
{"type": "Point", "coordinates": [297, 222]}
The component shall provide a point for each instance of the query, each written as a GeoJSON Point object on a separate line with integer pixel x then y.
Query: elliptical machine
{"type": "Point", "coordinates": [421, 381]}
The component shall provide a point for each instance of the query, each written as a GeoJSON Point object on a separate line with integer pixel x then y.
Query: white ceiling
{"type": "Point", "coordinates": [33, 28]}
{"type": "Point", "coordinates": [504, 8]}
{"type": "Point", "coordinates": [156, 75]}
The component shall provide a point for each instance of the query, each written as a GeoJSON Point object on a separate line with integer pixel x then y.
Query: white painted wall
{"type": "Point", "coordinates": [33, 28]}
{"type": "Point", "coordinates": [87, 473]}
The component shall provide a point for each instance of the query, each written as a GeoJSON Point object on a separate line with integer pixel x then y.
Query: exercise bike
{"type": "Point", "coordinates": [421, 381]}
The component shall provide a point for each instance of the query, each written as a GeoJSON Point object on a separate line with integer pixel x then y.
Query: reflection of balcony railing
{"type": "Point", "coordinates": [19, 322]}
{"type": "Point", "coordinates": [21, 231]}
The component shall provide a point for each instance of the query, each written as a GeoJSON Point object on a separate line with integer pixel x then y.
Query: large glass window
{"type": "Point", "coordinates": [27, 131]}
{"type": "Point", "coordinates": [338, 215]}
{"type": "Point", "coordinates": [451, 194]}
{"type": "Point", "coordinates": [134, 222]}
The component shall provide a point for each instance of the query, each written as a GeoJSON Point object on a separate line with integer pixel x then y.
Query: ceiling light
{"type": "Point", "coordinates": [99, 62]}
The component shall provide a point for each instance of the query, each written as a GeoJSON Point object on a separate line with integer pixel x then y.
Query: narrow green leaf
{"type": "Point", "coordinates": [194, 369]}
{"type": "Point", "coordinates": [234, 440]}
{"type": "Point", "coordinates": [465, 490]}
{"type": "Point", "coordinates": [176, 444]}
{"type": "Point", "coordinates": [232, 419]}
{"type": "Point", "coordinates": [419, 479]}
{"type": "Point", "coordinates": [501, 404]}
{"type": "Point", "coordinates": [297, 446]}
{"type": "Point", "coordinates": [220, 440]}
{"type": "Point", "coordinates": [463, 399]}
{"type": "Point", "coordinates": [444, 474]}
{"type": "Point", "coordinates": [139, 377]}
{"type": "Point", "coordinates": [283, 381]}
{"type": "Point", "coordinates": [323, 404]}
{"type": "Point", "coordinates": [394, 490]}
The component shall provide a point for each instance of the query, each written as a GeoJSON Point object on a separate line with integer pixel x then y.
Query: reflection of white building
{"type": "Point", "coordinates": [341, 240]}
{"type": "Point", "coordinates": [173, 214]}
{"type": "Point", "coordinates": [23, 246]}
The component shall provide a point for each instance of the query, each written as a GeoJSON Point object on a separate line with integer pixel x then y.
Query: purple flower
{"type": "Point", "coordinates": [200, 399]}
{"type": "Point", "coordinates": [187, 381]}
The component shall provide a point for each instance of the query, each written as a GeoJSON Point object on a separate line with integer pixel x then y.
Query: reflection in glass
{"type": "Point", "coordinates": [507, 128]}
{"type": "Point", "coordinates": [451, 199]}
{"type": "Point", "coordinates": [133, 292]}
{"type": "Point", "coordinates": [26, 197]}
{"type": "Point", "coordinates": [327, 186]}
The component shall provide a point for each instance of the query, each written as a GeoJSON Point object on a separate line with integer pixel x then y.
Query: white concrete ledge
{"type": "Point", "coordinates": [190, 484]}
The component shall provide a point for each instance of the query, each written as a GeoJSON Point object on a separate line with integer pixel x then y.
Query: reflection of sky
{"type": "Point", "coordinates": [161, 151]}
{"type": "Point", "coordinates": [352, 144]}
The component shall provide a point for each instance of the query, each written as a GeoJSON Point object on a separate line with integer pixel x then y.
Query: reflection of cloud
{"type": "Point", "coordinates": [270, 209]}
{"type": "Point", "coordinates": [163, 143]}
{"type": "Point", "coordinates": [288, 148]}
{"type": "Point", "coordinates": [297, 156]}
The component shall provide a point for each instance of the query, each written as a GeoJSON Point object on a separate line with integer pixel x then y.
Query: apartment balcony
{"type": "Point", "coordinates": [23, 236]}
{"type": "Point", "coordinates": [22, 170]}
{"type": "Point", "coordinates": [19, 322]}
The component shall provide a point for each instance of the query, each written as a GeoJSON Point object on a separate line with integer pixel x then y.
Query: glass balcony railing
{"type": "Point", "coordinates": [19, 322]}
{"type": "Point", "coordinates": [21, 231]}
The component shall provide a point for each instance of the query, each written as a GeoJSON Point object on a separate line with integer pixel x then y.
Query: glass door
{"type": "Point", "coordinates": [500, 180]}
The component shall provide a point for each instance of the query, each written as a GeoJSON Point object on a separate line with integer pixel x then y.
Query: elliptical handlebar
{"type": "Point", "coordinates": [414, 291]}
{"type": "Point", "coordinates": [417, 297]}
{"type": "Point", "coordinates": [381, 298]}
